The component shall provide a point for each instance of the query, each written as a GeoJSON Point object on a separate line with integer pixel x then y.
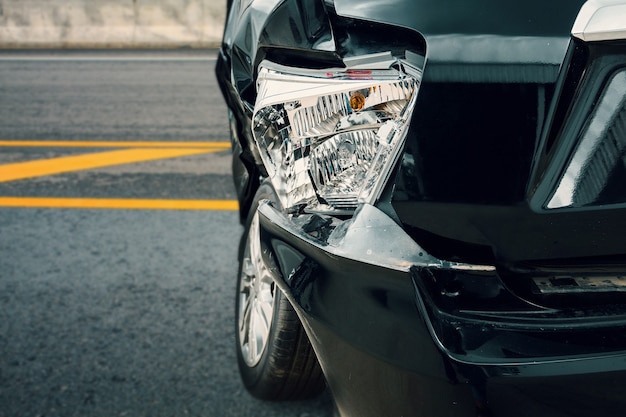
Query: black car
{"type": "Point", "coordinates": [434, 196]}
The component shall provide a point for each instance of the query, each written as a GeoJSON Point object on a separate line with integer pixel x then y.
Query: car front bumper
{"type": "Point", "coordinates": [398, 332]}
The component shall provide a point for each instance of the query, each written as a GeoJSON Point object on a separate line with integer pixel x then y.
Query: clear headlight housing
{"type": "Point", "coordinates": [330, 138]}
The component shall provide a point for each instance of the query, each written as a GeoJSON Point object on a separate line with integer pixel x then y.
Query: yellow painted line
{"type": "Point", "coordinates": [112, 144]}
{"type": "Point", "coordinates": [118, 203]}
{"type": "Point", "coordinates": [39, 168]}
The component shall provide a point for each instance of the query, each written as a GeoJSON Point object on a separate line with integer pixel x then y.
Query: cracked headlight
{"type": "Point", "coordinates": [329, 138]}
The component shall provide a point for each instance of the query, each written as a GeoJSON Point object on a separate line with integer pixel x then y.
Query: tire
{"type": "Point", "coordinates": [276, 360]}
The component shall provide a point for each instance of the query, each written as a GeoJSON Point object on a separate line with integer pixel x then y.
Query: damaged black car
{"type": "Point", "coordinates": [434, 202]}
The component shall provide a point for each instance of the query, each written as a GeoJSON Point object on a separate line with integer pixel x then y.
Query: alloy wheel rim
{"type": "Point", "coordinates": [256, 299]}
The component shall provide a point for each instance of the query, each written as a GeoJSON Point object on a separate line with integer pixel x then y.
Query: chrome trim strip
{"type": "Point", "coordinates": [601, 20]}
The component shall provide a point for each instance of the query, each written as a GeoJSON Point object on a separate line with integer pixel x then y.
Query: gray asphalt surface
{"type": "Point", "coordinates": [120, 312]}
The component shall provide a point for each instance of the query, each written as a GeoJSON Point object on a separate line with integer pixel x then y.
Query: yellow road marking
{"type": "Point", "coordinates": [112, 144]}
{"type": "Point", "coordinates": [138, 152]}
{"type": "Point", "coordinates": [118, 203]}
{"type": "Point", "coordinates": [39, 168]}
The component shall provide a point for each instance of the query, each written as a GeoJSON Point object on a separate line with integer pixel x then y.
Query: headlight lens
{"type": "Point", "coordinates": [329, 138]}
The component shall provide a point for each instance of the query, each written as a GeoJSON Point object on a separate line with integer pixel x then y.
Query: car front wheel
{"type": "Point", "coordinates": [276, 360]}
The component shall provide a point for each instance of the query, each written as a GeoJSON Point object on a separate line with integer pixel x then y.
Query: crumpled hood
{"type": "Point", "coordinates": [477, 17]}
{"type": "Point", "coordinates": [457, 31]}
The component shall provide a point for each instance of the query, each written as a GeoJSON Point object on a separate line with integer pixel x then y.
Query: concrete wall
{"type": "Point", "coordinates": [111, 23]}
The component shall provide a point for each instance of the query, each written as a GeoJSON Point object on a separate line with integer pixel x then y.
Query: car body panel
{"type": "Point", "coordinates": [431, 17]}
{"type": "Point", "coordinates": [384, 335]}
{"type": "Point", "coordinates": [515, 192]}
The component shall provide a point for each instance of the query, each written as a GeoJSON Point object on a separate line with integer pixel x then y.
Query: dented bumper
{"type": "Point", "coordinates": [385, 316]}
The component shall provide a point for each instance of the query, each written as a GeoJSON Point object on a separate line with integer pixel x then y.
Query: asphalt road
{"type": "Point", "coordinates": [119, 312]}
